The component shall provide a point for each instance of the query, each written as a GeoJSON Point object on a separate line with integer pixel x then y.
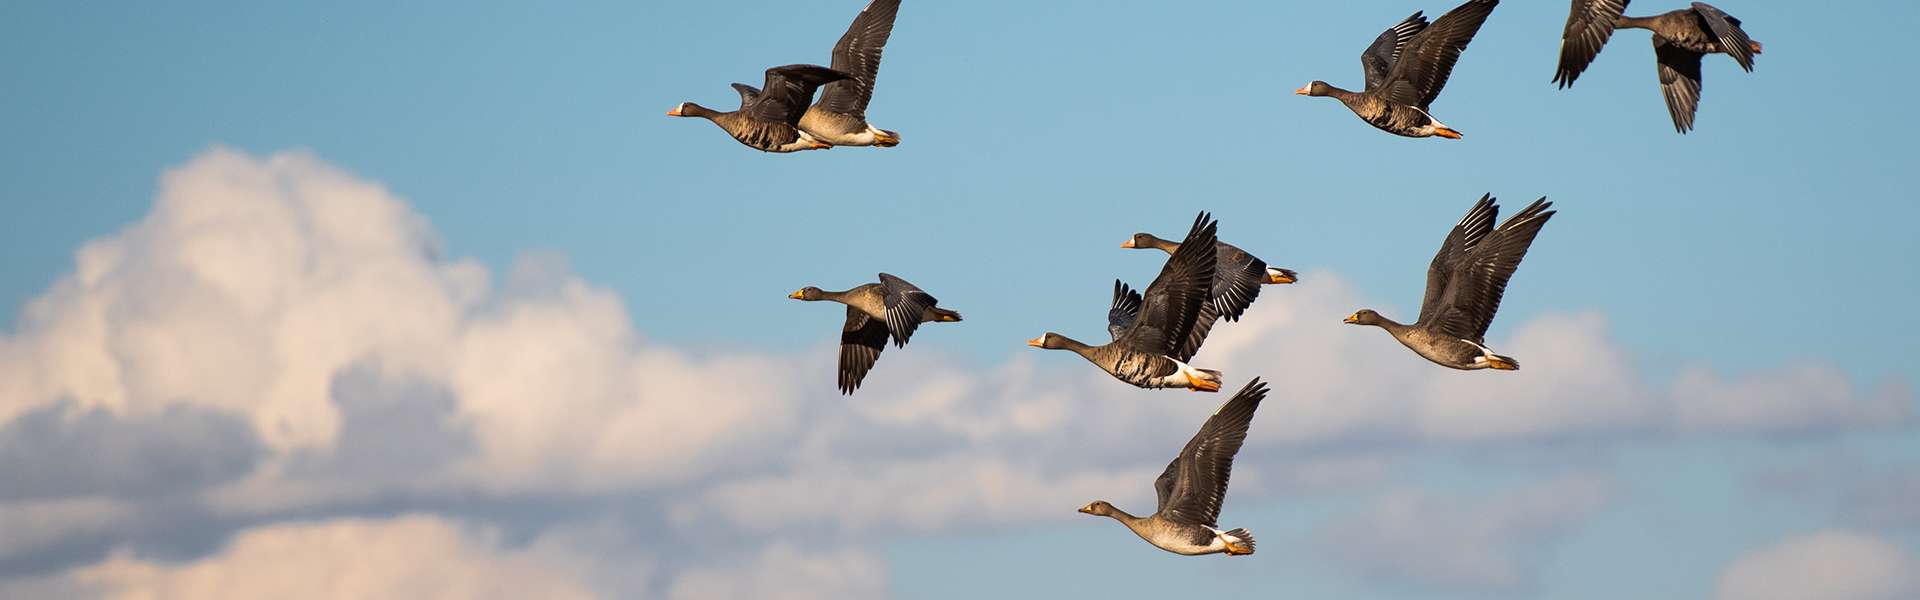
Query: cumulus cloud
{"type": "Point", "coordinates": [34, 525]}
{"type": "Point", "coordinates": [1575, 382]}
{"type": "Point", "coordinates": [1826, 565]}
{"type": "Point", "coordinates": [1418, 538]}
{"type": "Point", "coordinates": [280, 339]}
{"type": "Point", "coordinates": [406, 557]}
{"type": "Point", "coordinates": [58, 451]}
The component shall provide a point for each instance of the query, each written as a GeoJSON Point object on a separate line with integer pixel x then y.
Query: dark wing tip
{"type": "Point", "coordinates": [1255, 389]}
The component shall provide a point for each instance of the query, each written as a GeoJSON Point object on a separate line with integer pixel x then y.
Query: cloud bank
{"type": "Point", "coordinates": [280, 354]}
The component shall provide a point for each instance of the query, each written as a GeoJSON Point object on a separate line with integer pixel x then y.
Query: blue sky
{"type": "Point", "coordinates": [1036, 138]}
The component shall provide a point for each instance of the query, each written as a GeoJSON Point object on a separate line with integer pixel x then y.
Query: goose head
{"type": "Point", "coordinates": [1316, 88]}
{"type": "Point", "coordinates": [1142, 240]}
{"type": "Point", "coordinates": [808, 293]}
{"type": "Point", "coordinates": [689, 109]}
{"type": "Point", "coordinates": [1049, 340]}
{"type": "Point", "coordinates": [1098, 508]}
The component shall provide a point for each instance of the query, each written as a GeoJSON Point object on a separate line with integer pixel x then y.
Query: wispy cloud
{"type": "Point", "coordinates": [1425, 540]}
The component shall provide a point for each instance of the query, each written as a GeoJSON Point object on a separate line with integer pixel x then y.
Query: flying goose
{"type": "Point", "coordinates": [840, 117]}
{"type": "Point", "coordinates": [1237, 277]}
{"type": "Point", "coordinates": [1186, 520]}
{"type": "Point", "coordinates": [1151, 351]}
{"type": "Point", "coordinates": [769, 120]}
{"type": "Point", "coordinates": [1406, 67]}
{"type": "Point", "coordinates": [1464, 285]}
{"type": "Point", "coordinates": [1680, 39]}
{"type": "Point", "coordinates": [876, 311]}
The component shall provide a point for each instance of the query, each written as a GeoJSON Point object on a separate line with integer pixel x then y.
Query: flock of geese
{"type": "Point", "coordinates": [1157, 330]}
{"type": "Point", "coordinates": [1405, 69]}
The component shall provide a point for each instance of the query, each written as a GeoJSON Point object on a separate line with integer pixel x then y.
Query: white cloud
{"type": "Point", "coordinates": [783, 570]}
{"type": "Point", "coordinates": [1826, 565]}
{"type": "Point", "coordinates": [1796, 399]}
{"type": "Point", "coordinates": [1418, 538]}
{"type": "Point", "coordinates": [254, 282]}
{"type": "Point", "coordinates": [280, 290]}
{"type": "Point", "coordinates": [407, 557]}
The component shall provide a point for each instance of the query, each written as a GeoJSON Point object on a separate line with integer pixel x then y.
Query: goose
{"type": "Point", "coordinates": [1126, 309]}
{"type": "Point", "coordinates": [1680, 39]}
{"type": "Point", "coordinates": [840, 116]}
{"type": "Point", "coordinates": [1152, 350]}
{"type": "Point", "coordinates": [1464, 285]}
{"type": "Point", "coordinates": [876, 311]}
{"type": "Point", "coordinates": [1237, 277]}
{"type": "Point", "coordinates": [1186, 519]}
{"type": "Point", "coordinates": [1406, 67]}
{"type": "Point", "coordinates": [769, 121]}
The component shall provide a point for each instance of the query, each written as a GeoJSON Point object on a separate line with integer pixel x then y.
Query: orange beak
{"type": "Point", "coordinates": [1128, 244]}
{"type": "Point", "coordinates": [1303, 90]}
{"type": "Point", "coordinates": [674, 113]}
{"type": "Point", "coordinates": [1353, 318]}
{"type": "Point", "coordinates": [1035, 342]}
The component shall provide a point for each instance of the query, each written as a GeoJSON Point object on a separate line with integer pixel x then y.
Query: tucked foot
{"type": "Point", "coordinates": [1239, 542]}
{"type": "Point", "coordinates": [1502, 363]}
{"type": "Point", "coordinates": [1754, 46]}
{"type": "Point", "coordinates": [886, 139]}
{"type": "Point", "coordinates": [1446, 132]}
{"type": "Point", "coordinates": [1202, 380]}
{"type": "Point", "coordinates": [1279, 275]}
{"type": "Point", "coordinates": [1493, 361]}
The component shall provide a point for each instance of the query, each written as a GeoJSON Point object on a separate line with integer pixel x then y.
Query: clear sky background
{"type": "Point", "coordinates": [1723, 320]}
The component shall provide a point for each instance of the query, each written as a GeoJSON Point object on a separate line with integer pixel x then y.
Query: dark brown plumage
{"type": "Point", "coordinates": [768, 119]}
{"type": "Point", "coordinates": [1147, 353]}
{"type": "Point", "coordinates": [1406, 67]}
{"type": "Point", "coordinates": [840, 116]}
{"type": "Point", "coordinates": [1237, 277]}
{"type": "Point", "coordinates": [1194, 485]}
{"type": "Point", "coordinates": [1680, 39]}
{"type": "Point", "coordinates": [876, 311]}
{"type": "Point", "coordinates": [1465, 283]}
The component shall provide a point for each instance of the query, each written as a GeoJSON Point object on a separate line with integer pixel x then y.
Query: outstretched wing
{"type": "Point", "coordinates": [1172, 303]}
{"type": "Point", "coordinates": [747, 93]}
{"type": "Point", "coordinates": [1199, 475]}
{"type": "Point", "coordinates": [1126, 309]}
{"type": "Point", "coordinates": [1480, 275]}
{"type": "Point", "coordinates": [1427, 61]}
{"type": "Point", "coordinates": [858, 54]}
{"type": "Point", "coordinates": [1589, 25]}
{"type": "Point", "coordinates": [1726, 29]}
{"type": "Point", "coordinates": [1237, 277]}
{"type": "Point", "coordinates": [1464, 236]}
{"type": "Point", "coordinates": [905, 303]}
{"type": "Point", "coordinates": [1379, 57]}
{"type": "Point", "coordinates": [787, 90]}
{"type": "Point", "coordinates": [1679, 81]}
{"type": "Point", "coordinates": [862, 339]}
